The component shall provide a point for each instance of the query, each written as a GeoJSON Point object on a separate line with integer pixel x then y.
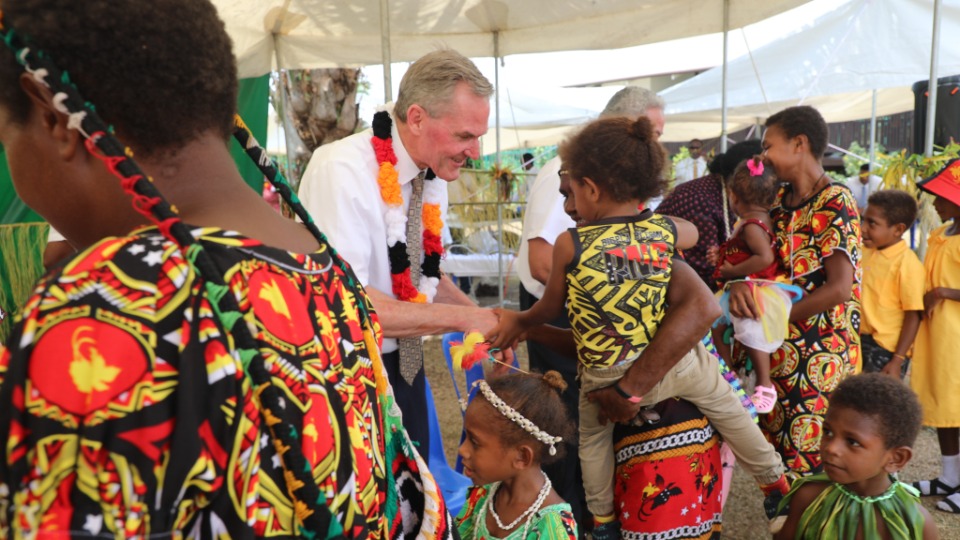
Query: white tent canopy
{"type": "Point", "coordinates": [320, 33]}
{"type": "Point", "coordinates": [834, 65]}
{"type": "Point", "coordinates": [544, 119]}
{"type": "Point", "coordinates": [278, 34]}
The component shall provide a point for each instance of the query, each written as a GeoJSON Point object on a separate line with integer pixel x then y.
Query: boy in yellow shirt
{"type": "Point", "coordinates": [893, 280]}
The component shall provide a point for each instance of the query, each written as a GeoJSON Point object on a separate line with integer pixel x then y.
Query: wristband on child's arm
{"type": "Point", "coordinates": [626, 396]}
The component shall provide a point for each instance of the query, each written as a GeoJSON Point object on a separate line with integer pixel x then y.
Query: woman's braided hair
{"type": "Point", "coordinates": [312, 514]}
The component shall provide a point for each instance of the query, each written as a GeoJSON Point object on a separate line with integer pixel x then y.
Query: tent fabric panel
{"type": "Point", "coordinates": [861, 46]}
{"type": "Point", "coordinates": [318, 33]}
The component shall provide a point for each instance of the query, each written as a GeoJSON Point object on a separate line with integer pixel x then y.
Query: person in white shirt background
{"type": "Point", "coordinates": [693, 166]}
{"type": "Point", "coordinates": [863, 185]}
{"type": "Point", "coordinates": [529, 166]}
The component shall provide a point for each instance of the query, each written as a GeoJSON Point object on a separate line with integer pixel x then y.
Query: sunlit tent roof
{"type": "Point", "coordinates": [321, 33]}
{"type": "Point", "coordinates": [268, 34]}
{"type": "Point", "coordinates": [529, 120]}
{"type": "Point", "coordinates": [834, 65]}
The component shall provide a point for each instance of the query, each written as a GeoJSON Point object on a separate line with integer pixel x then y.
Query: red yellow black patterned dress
{"type": "Point", "coordinates": [126, 415]}
{"type": "Point", "coordinates": [821, 351]}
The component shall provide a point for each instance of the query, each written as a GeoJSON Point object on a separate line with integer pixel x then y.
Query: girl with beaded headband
{"type": "Point", "coordinates": [234, 343]}
{"type": "Point", "coordinates": [514, 424]}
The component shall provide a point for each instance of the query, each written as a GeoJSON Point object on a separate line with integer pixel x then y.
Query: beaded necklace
{"type": "Point", "coordinates": [528, 513]}
{"type": "Point", "coordinates": [396, 220]}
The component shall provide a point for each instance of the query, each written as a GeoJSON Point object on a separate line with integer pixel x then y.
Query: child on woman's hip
{"type": "Point", "coordinates": [750, 253]}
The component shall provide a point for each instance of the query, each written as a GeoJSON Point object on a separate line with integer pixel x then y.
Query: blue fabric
{"type": "Point", "coordinates": [472, 375]}
{"type": "Point", "coordinates": [453, 484]}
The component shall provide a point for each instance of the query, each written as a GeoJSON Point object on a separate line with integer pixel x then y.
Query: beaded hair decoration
{"type": "Point", "coordinates": [518, 418]}
{"type": "Point", "coordinates": [313, 518]}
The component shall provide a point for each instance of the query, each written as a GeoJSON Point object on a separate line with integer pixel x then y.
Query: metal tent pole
{"type": "Point", "coordinates": [496, 84]}
{"type": "Point", "coordinates": [932, 85]}
{"type": "Point", "coordinates": [385, 48]}
{"type": "Point", "coordinates": [283, 80]}
{"type": "Point", "coordinates": [723, 91]}
{"type": "Point", "coordinates": [873, 130]}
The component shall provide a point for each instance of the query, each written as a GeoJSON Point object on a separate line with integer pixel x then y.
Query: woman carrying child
{"type": "Point", "coordinates": [515, 424]}
{"type": "Point", "coordinates": [750, 253]}
{"type": "Point", "coordinates": [616, 270]}
{"type": "Point", "coordinates": [935, 376]}
{"type": "Point", "coordinates": [817, 227]}
{"type": "Point", "coordinates": [868, 434]}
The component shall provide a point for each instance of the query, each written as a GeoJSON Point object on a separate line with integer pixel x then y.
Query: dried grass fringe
{"type": "Point", "coordinates": [21, 265]}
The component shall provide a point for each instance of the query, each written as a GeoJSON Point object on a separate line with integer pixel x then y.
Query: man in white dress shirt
{"type": "Point", "coordinates": [441, 111]}
{"type": "Point", "coordinates": [693, 166]}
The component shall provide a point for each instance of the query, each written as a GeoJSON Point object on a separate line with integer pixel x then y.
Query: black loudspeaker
{"type": "Point", "coordinates": [947, 120]}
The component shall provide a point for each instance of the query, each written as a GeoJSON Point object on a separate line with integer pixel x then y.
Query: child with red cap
{"type": "Point", "coordinates": [935, 378]}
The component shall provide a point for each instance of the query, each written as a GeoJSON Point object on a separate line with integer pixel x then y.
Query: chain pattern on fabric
{"type": "Point", "coordinates": [700, 433]}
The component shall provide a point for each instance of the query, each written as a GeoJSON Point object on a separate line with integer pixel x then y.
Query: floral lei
{"type": "Point", "coordinates": [396, 220]}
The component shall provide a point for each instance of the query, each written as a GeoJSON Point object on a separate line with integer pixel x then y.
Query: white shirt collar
{"type": "Point", "coordinates": [407, 170]}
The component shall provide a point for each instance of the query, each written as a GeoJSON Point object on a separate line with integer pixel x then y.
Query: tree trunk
{"type": "Point", "coordinates": [317, 106]}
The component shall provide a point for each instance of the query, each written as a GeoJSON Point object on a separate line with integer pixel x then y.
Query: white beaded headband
{"type": "Point", "coordinates": [518, 418]}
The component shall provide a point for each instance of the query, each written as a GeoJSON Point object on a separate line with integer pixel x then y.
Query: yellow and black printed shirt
{"type": "Point", "coordinates": [617, 285]}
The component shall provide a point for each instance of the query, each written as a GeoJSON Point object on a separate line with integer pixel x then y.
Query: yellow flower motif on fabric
{"type": "Point", "coordinates": [90, 373]}
{"type": "Point", "coordinates": [955, 172]}
{"type": "Point", "coordinates": [292, 483]}
{"type": "Point", "coordinates": [272, 294]}
{"type": "Point", "coordinates": [300, 508]}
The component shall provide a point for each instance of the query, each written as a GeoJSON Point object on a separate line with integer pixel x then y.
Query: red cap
{"type": "Point", "coordinates": [945, 183]}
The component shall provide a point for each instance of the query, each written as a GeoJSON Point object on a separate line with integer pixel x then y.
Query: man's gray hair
{"type": "Point", "coordinates": [431, 80]}
{"type": "Point", "coordinates": [632, 101]}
